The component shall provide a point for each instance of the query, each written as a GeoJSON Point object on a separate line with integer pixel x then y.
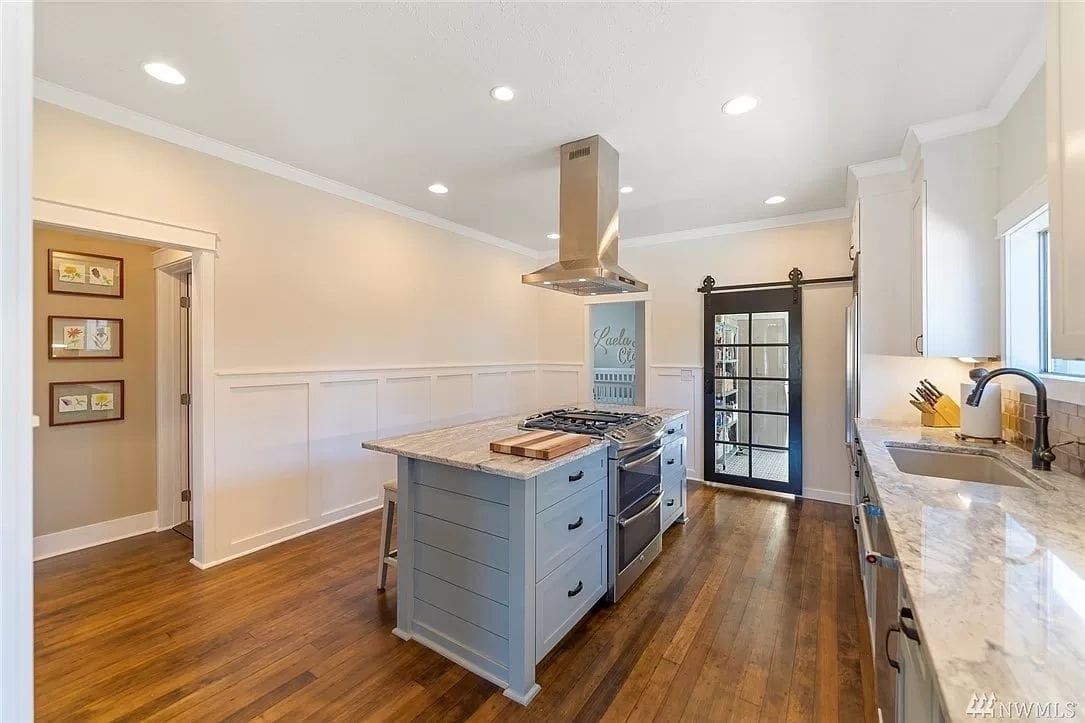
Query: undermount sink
{"type": "Point", "coordinates": [953, 465]}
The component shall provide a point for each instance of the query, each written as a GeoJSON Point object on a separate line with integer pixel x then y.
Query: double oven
{"type": "Point", "coordinates": [635, 517]}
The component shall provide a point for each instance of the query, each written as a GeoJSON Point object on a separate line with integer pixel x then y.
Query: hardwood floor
{"type": "Point", "coordinates": [754, 611]}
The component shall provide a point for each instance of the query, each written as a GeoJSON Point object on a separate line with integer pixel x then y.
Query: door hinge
{"type": "Point", "coordinates": [185, 302]}
{"type": "Point", "coordinates": [186, 399]}
{"type": "Point", "coordinates": [186, 495]}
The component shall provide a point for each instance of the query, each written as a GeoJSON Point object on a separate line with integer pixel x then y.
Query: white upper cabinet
{"type": "Point", "coordinates": [1066, 175]}
{"type": "Point", "coordinates": [929, 267]}
{"type": "Point", "coordinates": [955, 261]}
{"type": "Point", "coordinates": [885, 289]}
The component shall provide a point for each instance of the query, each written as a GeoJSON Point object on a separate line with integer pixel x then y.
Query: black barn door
{"type": "Point", "coordinates": [753, 389]}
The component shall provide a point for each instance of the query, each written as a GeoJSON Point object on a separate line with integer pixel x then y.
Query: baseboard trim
{"type": "Point", "coordinates": [836, 498]}
{"type": "Point", "coordinates": [80, 538]}
{"type": "Point", "coordinates": [299, 533]}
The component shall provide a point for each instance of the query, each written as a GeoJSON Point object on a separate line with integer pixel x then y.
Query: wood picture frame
{"type": "Point", "coordinates": [80, 396]}
{"type": "Point", "coordinates": [64, 347]}
{"type": "Point", "coordinates": [85, 274]}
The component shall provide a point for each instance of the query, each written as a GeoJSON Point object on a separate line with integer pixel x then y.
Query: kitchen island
{"type": "Point", "coordinates": [992, 582]}
{"type": "Point", "coordinates": [500, 556]}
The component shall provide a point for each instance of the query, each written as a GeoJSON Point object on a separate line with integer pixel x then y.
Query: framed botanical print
{"type": "Point", "coordinates": [85, 274]}
{"type": "Point", "coordinates": [85, 402]}
{"type": "Point", "coordinates": [80, 337]}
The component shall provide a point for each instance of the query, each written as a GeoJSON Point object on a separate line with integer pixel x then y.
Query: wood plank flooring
{"type": "Point", "coordinates": [753, 612]}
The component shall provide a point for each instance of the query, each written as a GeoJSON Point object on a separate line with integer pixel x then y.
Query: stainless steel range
{"type": "Point", "coordinates": [635, 480]}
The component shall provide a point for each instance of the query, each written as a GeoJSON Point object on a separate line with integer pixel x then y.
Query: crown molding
{"type": "Point", "coordinates": [1028, 63]}
{"type": "Point", "coordinates": [692, 234]}
{"type": "Point", "coordinates": [113, 114]}
{"type": "Point", "coordinates": [1025, 67]}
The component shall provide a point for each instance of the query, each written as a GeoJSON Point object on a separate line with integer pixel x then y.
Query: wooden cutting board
{"type": "Point", "coordinates": [540, 444]}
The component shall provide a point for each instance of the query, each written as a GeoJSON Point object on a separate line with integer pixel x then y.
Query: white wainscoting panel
{"type": "Point", "coordinates": [404, 405]}
{"type": "Point", "coordinates": [559, 385]}
{"type": "Point", "coordinates": [491, 394]}
{"type": "Point", "coordinates": [681, 388]}
{"type": "Point", "coordinates": [453, 399]}
{"type": "Point", "coordinates": [288, 442]}
{"type": "Point", "coordinates": [523, 391]}
{"type": "Point", "coordinates": [262, 460]}
{"type": "Point", "coordinates": [343, 414]}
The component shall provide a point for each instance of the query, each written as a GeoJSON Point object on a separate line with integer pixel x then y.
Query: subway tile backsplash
{"type": "Point", "coordinates": [1067, 425]}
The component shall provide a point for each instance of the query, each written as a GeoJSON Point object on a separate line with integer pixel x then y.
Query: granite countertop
{"type": "Point", "coordinates": [468, 445]}
{"type": "Point", "coordinates": [996, 574]}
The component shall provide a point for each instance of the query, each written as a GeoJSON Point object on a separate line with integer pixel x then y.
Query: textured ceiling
{"type": "Point", "coordinates": [392, 97]}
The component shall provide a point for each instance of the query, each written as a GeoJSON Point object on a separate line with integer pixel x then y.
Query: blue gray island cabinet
{"type": "Point", "coordinates": [500, 556]}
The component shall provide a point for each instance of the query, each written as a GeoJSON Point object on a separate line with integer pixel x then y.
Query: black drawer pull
{"type": "Point", "coordinates": [672, 430]}
{"type": "Point", "coordinates": [576, 590]}
{"type": "Point", "coordinates": [576, 477]}
{"type": "Point", "coordinates": [578, 523]}
{"type": "Point", "coordinates": [670, 461]}
{"type": "Point", "coordinates": [670, 502]}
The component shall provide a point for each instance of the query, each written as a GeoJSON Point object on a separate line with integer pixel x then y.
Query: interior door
{"type": "Point", "coordinates": [186, 408]}
{"type": "Point", "coordinates": [753, 389]}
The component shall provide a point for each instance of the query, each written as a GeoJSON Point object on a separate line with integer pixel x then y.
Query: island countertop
{"type": "Point", "coordinates": [468, 445]}
{"type": "Point", "coordinates": [996, 574]}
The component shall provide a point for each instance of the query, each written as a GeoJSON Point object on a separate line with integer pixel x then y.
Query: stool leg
{"type": "Point", "coordinates": [386, 532]}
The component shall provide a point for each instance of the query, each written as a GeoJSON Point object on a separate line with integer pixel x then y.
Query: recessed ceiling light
{"type": "Point", "coordinates": [625, 189]}
{"type": "Point", "coordinates": [165, 73]}
{"type": "Point", "coordinates": [773, 200]}
{"type": "Point", "coordinates": [582, 280]}
{"type": "Point", "coordinates": [625, 291]}
{"type": "Point", "coordinates": [438, 188]}
{"type": "Point", "coordinates": [553, 236]}
{"type": "Point", "coordinates": [547, 283]}
{"type": "Point", "coordinates": [502, 92]}
{"type": "Point", "coordinates": [740, 104]}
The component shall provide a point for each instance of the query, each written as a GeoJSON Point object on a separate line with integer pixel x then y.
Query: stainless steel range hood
{"type": "Point", "coordinates": [588, 250]}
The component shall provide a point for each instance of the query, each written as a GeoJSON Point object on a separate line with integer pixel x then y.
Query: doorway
{"type": "Point", "coordinates": [615, 343]}
{"type": "Point", "coordinates": [753, 396]}
{"type": "Point", "coordinates": [173, 301]}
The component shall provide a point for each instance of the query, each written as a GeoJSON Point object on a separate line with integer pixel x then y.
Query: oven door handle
{"type": "Point", "coordinates": [630, 463]}
{"type": "Point", "coordinates": [626, 521]}
{"type": "Point", "coordinates": [872, 556]}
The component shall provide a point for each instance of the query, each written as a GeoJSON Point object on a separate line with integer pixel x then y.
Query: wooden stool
{"type": "Point", "coordinates": [387, 554]}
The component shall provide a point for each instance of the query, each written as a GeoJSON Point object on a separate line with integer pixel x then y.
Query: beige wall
{"type": "Point", "coordinates": [673, 272]}
{"type": "Point", "coordinates": [90, 473]}
{"type": "Point", "coordinates": [313, 292]}
{"type": "Point", "coordinates": [1022, 158]}
{"type": "Point", "coordinates": [305, 279]}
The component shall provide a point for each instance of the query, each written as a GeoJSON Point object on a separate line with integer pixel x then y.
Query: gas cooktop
{"type": "Point", "coordinates": [627, 429]}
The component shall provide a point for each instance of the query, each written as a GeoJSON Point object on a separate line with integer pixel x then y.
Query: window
{"type": "Point", "coordinates": [1052, 365]}
{"type": "Point", "coordinates": [1028, 320]}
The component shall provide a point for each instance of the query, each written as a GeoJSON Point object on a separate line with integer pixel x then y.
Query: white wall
{"type": "Point", "coordinates": [1022, 158]}
{"type": "Point", "coordinates": [334, 322]}
{"type": "Point", "coordinates": [675, 345]}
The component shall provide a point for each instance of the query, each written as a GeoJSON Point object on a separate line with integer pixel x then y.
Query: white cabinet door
{"type": "Point", "coordinates": [955, 266]}
{"type": "Point", "coordinates": [1066, 175]}
{"type": "Point", "coordinates": [884, 272]}
{"type": "Point", "coordinates": [919, 257]}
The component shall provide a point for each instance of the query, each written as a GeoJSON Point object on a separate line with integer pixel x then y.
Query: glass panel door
{"type": "Point", "coordinates": [753, 396]}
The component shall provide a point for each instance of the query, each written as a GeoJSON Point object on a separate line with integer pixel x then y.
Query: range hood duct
{"type": "Point", "coordinates": [587, 262]}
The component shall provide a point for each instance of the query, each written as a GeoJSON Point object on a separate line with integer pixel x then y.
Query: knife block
{"type": "Point", "coordinates": [946, 414]}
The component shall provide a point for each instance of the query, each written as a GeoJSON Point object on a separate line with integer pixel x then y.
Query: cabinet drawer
{"type": "Point", "coordinates": [557, 484]}
{"type": "Point", "coordinates": [673, 461]}
{"type": "Point", "coordinates": [567, 526]}
{"type": "Point", "coordinates": [673, 499]}
{"type": "Point", "coordinates": [674, 429]}
{"type": "Point", "coordinates": [569, 592]}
